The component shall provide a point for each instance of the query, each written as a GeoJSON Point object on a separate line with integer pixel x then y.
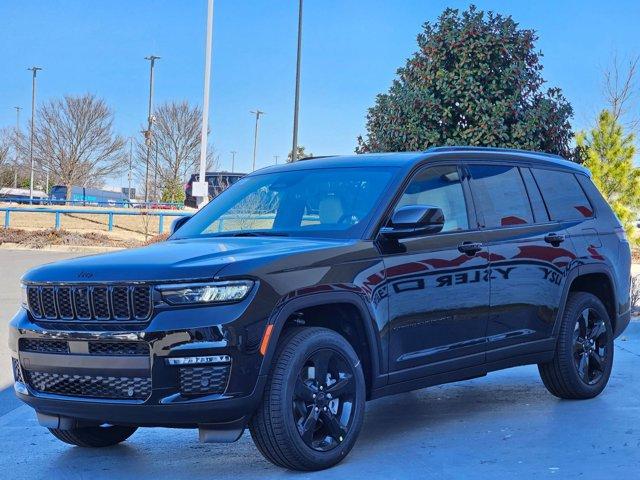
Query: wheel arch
{"type": "Point", "coordinates": [286, 315]}
{"type": "Point", "coordinates": [595, 279]}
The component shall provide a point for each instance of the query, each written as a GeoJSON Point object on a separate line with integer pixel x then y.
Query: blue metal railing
{"type": "Point", "coordinates": [58, 212]}
{"type": "Point", "coordinates": [91, 203]}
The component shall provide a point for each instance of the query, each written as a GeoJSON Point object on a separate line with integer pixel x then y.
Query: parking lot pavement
{"type": "Point", "coordinates": [503, 425]}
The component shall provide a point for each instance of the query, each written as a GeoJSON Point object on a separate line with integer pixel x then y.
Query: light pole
{"type": "Point", "coordinates": [203, 186]}
{"type": "Point", "coordinates": [130, 165]}
{"type": "Point", "coordinates": [233, 160]}
{"type": "Point", "coordinates": [276, 157]}
{"type": "Point", "coordinates": [147, 133]}
{"type": "Point", "coordinates": [296, 107]}
{"type": "Point", "coordinates": [257, 113]}
{"type": "Point", "coordinates": [17, 146]}
{"type": "Point", "coordinates": [34, 70]}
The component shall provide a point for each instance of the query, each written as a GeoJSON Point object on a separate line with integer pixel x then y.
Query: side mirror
{"type": "Point", "coordinates": [178, 222]}
{"type": "Point", "coordinates": [414, 221]}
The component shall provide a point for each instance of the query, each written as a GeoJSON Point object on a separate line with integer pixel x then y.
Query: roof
{"type": "Point", "coordinates": [408, 159]}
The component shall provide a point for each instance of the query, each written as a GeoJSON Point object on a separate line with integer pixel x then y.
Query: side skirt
{"type": "Point", "coordinates": [463, 373]}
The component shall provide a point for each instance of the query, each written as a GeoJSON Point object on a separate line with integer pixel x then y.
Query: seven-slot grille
{"type": "Point", "coordinates": [90, 303]}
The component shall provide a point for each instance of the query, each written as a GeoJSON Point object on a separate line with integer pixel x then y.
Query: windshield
{"type": "Point", "coordinates": [336, 202]}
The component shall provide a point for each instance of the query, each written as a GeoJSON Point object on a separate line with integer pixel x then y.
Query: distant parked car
{"type": "Point", "coordinates": [218, 182]}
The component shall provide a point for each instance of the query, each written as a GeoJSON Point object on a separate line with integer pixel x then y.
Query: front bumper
{"type": "Point", "coordinates": [88, 383]}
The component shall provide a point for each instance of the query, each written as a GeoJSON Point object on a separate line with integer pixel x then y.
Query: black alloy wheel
{"type": "Point", "coordinates": [323, 400]}
{"type": "Point", "coordinates": [590, 346]}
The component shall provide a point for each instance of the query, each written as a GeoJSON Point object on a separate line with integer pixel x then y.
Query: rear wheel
{"type": "Point", "coordinates": [313, 405]}
{"type": "Point", "coordinates": [101, 436]}
{"type": "Point", "coordinates": [584, 352]}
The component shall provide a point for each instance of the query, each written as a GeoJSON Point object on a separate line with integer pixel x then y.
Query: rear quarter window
{"type": "Point", "coordinates": [563, 195]}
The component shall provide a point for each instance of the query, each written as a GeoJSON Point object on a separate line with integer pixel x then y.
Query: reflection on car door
{"type": "Point", "coordinates": [438, 287]}
{"type": "Point", "coordinates": [529, 259]}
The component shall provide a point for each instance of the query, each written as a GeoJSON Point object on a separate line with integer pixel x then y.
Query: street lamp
{"type": "Point", "coordinates": [296, 107]}
{"type": "Point", "coordinates": [147, 133]}
{"type": "Point", "coordinates": [233, 160]}
{"type": "Point", "coordinates": [34, 70]}
{"type": "Point", "coordinates": [200, 189]}
{"type": "Point", "coordinates": [257, 113]}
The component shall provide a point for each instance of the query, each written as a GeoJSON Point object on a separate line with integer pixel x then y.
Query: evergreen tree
{"type": "Point", "coordinates": [475, 80]}
{"type": "Point", "coordinates": [608, 152]}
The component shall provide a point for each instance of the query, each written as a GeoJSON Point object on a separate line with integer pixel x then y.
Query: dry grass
{"type": "Point", "coordinates": [135, 228]}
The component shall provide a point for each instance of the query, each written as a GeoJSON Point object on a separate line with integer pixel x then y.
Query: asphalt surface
{"type": "Point", "coordinates": [503, 425]}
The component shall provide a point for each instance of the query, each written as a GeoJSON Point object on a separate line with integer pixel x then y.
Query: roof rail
{"type": "Point", "coordinates": [315, 158]}
{"type": "Point", "coordinates": [493, 149]}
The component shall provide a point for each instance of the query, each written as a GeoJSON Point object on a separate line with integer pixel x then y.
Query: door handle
{"type": "Point", "coordinates": [554, 239]}
{"type": "Point", "coordinates": [470, 248]}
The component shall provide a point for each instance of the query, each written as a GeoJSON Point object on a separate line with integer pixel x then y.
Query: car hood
{"type": "Point", "coordinates": [187, 259]}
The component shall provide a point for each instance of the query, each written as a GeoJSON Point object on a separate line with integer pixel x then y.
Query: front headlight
{"type": "Point", "coordinates": [214, 292]}
{"type": "Point", "coordinates": [24, 299]}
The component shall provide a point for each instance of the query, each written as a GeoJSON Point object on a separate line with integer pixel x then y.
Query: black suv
{"type": "Point", "coordinates": [304, 290]}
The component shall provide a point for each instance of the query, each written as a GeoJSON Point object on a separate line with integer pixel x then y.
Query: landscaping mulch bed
{"type": "Point", "coordinates": [46, 238]}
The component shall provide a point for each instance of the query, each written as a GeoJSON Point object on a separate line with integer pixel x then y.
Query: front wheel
{"type": "Point", "coordinates": [313, 404]}
{"type": "Point", "coordinates": [584, 352]}
{"type": "Point", "coordinates": [101, 436]}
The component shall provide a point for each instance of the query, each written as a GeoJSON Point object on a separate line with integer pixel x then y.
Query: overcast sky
{"type": "Point", "coordinates": [351, 50]}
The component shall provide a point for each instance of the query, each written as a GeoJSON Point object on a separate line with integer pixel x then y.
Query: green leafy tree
{"type": "Point", "coordinates": [173, 191]}
{"type": "Point", "coordinates": [475, 80]}
{"type": "Point", "coordinates": [608, 152]}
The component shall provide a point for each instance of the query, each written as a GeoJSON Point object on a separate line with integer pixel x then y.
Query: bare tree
{"type": "Point", "coordinates": [74, 141]}
{"type": "Point", "coordinates": [621, 89]}
{"type": "Point", "coordinates": [7, 166]}
{"type": "Point", "coordinates": [175, 143]}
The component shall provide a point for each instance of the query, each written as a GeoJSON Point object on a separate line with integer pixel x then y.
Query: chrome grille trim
{"type": "Point", "coordinates": [91, 304]}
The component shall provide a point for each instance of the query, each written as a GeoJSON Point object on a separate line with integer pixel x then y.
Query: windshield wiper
{"type": "Point", "coordinates": [253, 233]}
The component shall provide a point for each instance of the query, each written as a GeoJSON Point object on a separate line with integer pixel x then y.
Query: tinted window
{"type": "Point", "coordinates": [562, 194]}
{"type": "Point", "coordinates": [439, 187]}
{"type": "Point", "coordinates": [500, 196]}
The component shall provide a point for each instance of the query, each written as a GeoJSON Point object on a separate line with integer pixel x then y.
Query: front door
{"type": "Point", "coordinates": [438, 285]}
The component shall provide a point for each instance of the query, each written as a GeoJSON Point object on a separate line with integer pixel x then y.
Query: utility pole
{"type": "Point", "coordinates": [257, 113]}
{"type": "Point", "coordinates": [296, 107]}
{"type": "Point", "coordinates": [34, 70]}
{"type": "Point", "coordinates": [130, 166]}
{"type": "Point", "coordinates": [233, 160]}
{"type": "Point", "coordinates": [155, 176]}
{"type": "Point", "coordinates": [17, 146]}
{"type": "Point", "coordinates": [276, 157]}
{"type": "Point", "coordinates": [147, 133]}
{"type": "Point", "coordinates": [203, 186]}
{"type": "Point", "coordinates": [18, 118]}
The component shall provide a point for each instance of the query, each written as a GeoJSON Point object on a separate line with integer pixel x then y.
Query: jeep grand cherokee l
{"type": "Point", "coordinates": [304, 290]}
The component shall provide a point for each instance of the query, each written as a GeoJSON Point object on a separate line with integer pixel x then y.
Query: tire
{"type": "Point", "coordinates": [279, 427]}
{"type": "Point", "coordinates": [564, 376]}
{"type": "Point", "coordinates": [91, 437]}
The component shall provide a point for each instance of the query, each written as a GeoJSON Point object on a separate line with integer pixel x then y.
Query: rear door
{"type": "Point", "coordinates": [529, 257]}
